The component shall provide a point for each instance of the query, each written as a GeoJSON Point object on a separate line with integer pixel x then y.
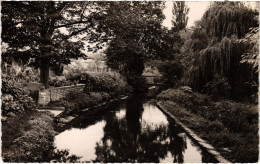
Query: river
{"type": "Point", "coordinates": [131, 130]}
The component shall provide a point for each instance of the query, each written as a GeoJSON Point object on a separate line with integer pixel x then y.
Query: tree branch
{"type": "Point", "coordinates": [77, 32]}
{"type": "Point", "coordinates": [72, 23]}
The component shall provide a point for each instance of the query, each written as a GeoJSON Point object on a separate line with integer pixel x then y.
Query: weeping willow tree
{"type": "Point", "coordinates": [250, 41]}
{"type": "Point", "coordinates": [225, 24]}
{"type": "Point", "coordinates": [227, 19]}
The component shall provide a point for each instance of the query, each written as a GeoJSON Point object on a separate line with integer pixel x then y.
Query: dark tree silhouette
{"type": "Point", "coordinates": [136, 36]}
{"type": "Point", "coordinates": [32, 32]}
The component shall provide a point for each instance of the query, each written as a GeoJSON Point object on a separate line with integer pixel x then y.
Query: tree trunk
{"type": "Point", "coordinates": [44, 72]}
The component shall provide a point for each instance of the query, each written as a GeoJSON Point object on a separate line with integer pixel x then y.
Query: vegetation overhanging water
{"type": "Point", "coordinates": [133, 130]}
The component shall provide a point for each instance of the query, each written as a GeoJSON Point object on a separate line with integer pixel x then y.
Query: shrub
{"type": "Point", "coordinates": [106, 83]}
{"type": "Point", "coordinates": [246, 151]}
{"type": "Point", "coordinates": [171, 70]}
{"type": "Point", "coordinates": [77, 77]}
{"type": "Point", "coordinates": [215, 126]}
{"type": "Point", "coordinates": [14, 99]}
{"type": "Point", "coordinates": [35, 140]}
{"type": "Point", "coordinates": [31, 74]}
{"type": "Point", "coordinates": [59, 81]}
{"type": "Point", "coordinates": [218, 87]}
{"type": "Point", "coordinates": [232, 115]}
{"type": "Point", "coordinates": [95, 82]}
{"type": "Point", "coordinates": [76, 101]}
{"type": "Point", "coordinates": [187, 99]}
{"type": "Point", "coordinates": [62, 156]}
{"type": "Point", "coordinates": [98, 88]}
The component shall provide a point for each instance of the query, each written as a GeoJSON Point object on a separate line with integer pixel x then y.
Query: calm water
{"type": "Point", "coordinates": [54, 112]}
{"type": "Point", "coordinates": [128, 131]}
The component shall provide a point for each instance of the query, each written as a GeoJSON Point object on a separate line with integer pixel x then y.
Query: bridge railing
{"type": "Point", "coordinates": [154, 80]}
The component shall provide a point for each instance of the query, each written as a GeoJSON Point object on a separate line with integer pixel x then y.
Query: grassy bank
{"type": "Point", "coordinates": [28, 137]}
{"type": "Point", "coordinates": [231, 127]}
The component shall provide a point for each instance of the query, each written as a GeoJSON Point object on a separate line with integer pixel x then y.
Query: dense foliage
{"type": "Point", "coordinates": [109, 83]}
{"type": "Point", "coordinates": [216, 48]}
{"type": "Point", "coordinates": [136, 36]}
{"type": "Point", "coordinates": [33, 32]}
{"type": "Point", "coordinates": [218, 87]}
{"type": "Point", "coordinates": [14, 100]}
{"type": "Point", "coordinates": [99, 88]}
{"type": "Point", "coordinates": [29, 140]}
{"type": "Point", "coordinates": [171, 70]}
{"type": "Point", "coordinates": [59, 81]}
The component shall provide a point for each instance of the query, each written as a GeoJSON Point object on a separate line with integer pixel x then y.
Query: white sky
{"type": "Point", "coordinates": [197, 9]}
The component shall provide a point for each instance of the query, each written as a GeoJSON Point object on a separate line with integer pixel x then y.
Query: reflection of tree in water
{"type": "Point", "coordinates": [207, 158]}
{"type": "Point", "coordinates": [177, 143]}
{"type": "Point", "coordinates": [125, 141]}
{"type": "Point", "coordinates": [134, 110]}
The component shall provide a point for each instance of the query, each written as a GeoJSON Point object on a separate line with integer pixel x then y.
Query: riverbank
{"type": "Point", "coordinates": [76, 102]}
{"type": "Point", "coordinates": [229, 126]}
{"type": "Point", "coordinates": [134, 129]}
{"type": "Point", "coordinates": [28, 134]}
{"type": "Point", "coordinates": [28, 137]}
{"type": "Point", "coordinates": [98, 89]}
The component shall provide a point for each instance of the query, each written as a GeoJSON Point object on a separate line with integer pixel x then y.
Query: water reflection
{"type": "Point", "coordinates": [152, 118]}
{"type": "Point", "coordinates": [54, 112]}
{"type": "Point", "coordinates": [133, 131]}
{"type": "Point", "coordinates": [81, 142]}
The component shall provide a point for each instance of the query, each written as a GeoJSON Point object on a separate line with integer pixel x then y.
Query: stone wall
{"type": "Point", "coordinates": [54, 94]}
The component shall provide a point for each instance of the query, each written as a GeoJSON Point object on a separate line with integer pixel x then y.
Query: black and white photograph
{"type": "Point", "coordinates": [129, 81]}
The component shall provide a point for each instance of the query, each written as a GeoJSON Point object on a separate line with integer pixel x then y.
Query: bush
{"type": "Point", "coordinates": [95, 82]}
{"type": "Point", "coordinates": [76, 101]}
{"type": "Point", "coordinates": [34, 142]}
{"type": "Point", "coordinates": [59, 81]}
{"type": "Point", "coordinates": [218, 87]}
{"type": "Point", "coordinates": [62, 156]}
{"type": "Point", "coordinates": [106, 83]}
{"type": "Point", "coordinates": [215, 126]}
{"type": "Point", "coordinates": [14, 99]}
{"type": "Point", "coordinates": [98, 88]}
{"type": "Point", "coordinates": [78, 77]}
{"type": "Point", "coordinates": [246, 151]}
{"type": "Point", "coordinates": [232, 115]}
{"type": "Point", "coordinates": [188, 99]}
{"type": "Point", "coordinates": [171, 70]}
